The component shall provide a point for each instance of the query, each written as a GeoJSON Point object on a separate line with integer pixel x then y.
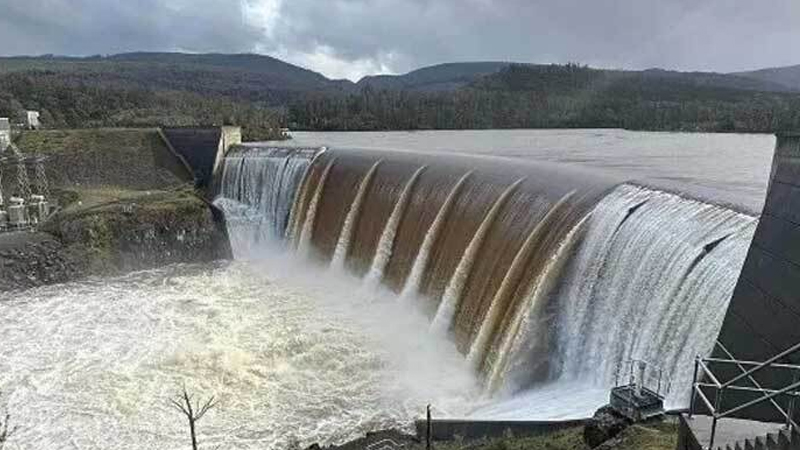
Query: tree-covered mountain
{"type": "Point", "coordinates": [563, 96]}
{"type": "Point", "coordinates": [254, 78]}
{"type": "Point", "coordinates": [263, 94]}
{"type": "Point", "coordinates": [785, 76]}
{"type": "Point", "coordinates": [441, 77]}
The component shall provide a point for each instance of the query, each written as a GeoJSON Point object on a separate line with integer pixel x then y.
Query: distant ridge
{"type": "Point", "coordinates": [265, 94]}
{"type": "Point", "coordinates": [437, 78]}
{"type": "Point", "coordinates": [254, 77]}
{"type": "Point", "coordinates": [786, 76]}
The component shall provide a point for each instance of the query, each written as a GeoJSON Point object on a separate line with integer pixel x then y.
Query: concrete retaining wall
{"type": "Point", "coordinates": [763, 318]}
{"type": "Point", "coordinates": [447, 430]}
{"type": "Point", "coordinates": [202, 149]}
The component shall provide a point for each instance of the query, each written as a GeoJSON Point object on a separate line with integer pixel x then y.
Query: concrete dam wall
{"type": "Point", "coordinates": [764, 314]}
{"type": "Point", "coordinates": [542, 275]}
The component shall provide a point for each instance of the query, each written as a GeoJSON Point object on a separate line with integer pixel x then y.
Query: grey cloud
{"type": "Point", "coordinates": [81, 27]}
{"type": "Point", "coordinates": [723, 35]}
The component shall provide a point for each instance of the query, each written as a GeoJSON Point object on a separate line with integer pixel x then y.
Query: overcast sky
{"type": "Point", "coordinates": [351, 38]}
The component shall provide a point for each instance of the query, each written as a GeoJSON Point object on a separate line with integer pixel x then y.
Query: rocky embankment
{"type": "Point", "coordinates": [141, 232]}
{"type": "Point", "coordinates": [125, 203]}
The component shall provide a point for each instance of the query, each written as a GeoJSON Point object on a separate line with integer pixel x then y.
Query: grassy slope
{"type": "Point", "coordinates": [100, 165]}
{"type": "Point", "coordinates": [656, 436]}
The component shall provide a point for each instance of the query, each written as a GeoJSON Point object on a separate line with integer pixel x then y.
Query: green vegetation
{"type": "Point", "coordinates": [115, 230]}
{"type": "Point", "coordinates": [570, 96]}
{"type": "Point", "coordinates": [85, 159]}
{"type": "Point", "coordinates": [264, 94]}
{"type": "Point", "coordinates": [138, 91]}
{"type": "Point", "coordinates": [655, 436]}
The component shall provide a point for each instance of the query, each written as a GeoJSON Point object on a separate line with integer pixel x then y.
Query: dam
{"type": "Point", "coordinates": [540, 274]}
{"type": "Point", "coordinates": [366, 284]}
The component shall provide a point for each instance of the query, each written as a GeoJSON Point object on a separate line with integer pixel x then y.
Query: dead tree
{"type": "Point", "coordinates": [192, 412]}
{"type": "Point", "coordinates": [5, 431]}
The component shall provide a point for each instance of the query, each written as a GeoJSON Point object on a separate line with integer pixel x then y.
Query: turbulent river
{"type": "Point", "coordinates": [488, 292]}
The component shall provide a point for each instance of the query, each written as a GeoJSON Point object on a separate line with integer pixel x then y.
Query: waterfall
{"type": "Point", "coordinates": [646, 284]}
{"type": "Point", "coordinates": [257, 191]}
{"type": "Point", "coordinates": [386, 243]}
{"type": "Point", "coordinates": [523, 322]}
{"type": "Point", "coordinates": [346, 235]}
{"type": "Point", "coordinates": [452, 293]}
{"type": "Point", "coordinates": [304, 245]}
{"type": "Point", "coordinates": [411, 287]}
{"type": "Point", "coordinates": [557, 277]}
{"type": "Point", "coordinates": [479, 347]}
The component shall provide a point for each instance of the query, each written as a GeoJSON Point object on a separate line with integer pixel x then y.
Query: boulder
{"type": "Point", "coordinates": [604, 425]}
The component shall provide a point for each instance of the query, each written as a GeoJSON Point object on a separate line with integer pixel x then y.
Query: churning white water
{"type": "Point", "coordinates": [292, 357]}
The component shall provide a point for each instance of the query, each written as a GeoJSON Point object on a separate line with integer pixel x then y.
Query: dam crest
{"type": "Point", "coordinates": [540, 274]}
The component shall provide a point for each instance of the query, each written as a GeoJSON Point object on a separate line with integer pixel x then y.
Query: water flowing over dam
{"type": "Point", "coordinates": [540, 274]}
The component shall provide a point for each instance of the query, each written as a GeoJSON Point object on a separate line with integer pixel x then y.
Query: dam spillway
{"type": "Point", "coordinates": [539, 273]}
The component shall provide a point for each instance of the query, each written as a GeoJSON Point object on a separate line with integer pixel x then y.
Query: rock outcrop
{"type": "Point", "coordinates": [606, 424]}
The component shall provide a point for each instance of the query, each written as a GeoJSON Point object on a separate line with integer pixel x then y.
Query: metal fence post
{"type": "Point", "coordinates": [694, 389]}
{"type": "Point", "coordinates": [429, 427]}
{"type": "Point", "coordinates": [792, 401]}
{"type": "Point", "coordinates": [717, 405]}
{"type": "Point", "coordinates": [713, 433]}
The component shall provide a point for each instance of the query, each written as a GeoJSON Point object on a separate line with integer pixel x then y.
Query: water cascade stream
{"type": "Point", "coordinates": [541, 274]}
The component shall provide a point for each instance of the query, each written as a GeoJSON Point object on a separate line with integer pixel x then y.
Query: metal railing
{"type": "Point", "coordinates": [643, 374]}
{"type": "Point", "coordinates": [748, 370]}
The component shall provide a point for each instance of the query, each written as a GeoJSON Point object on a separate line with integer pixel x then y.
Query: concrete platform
{"type": "Point", "coordinates": [729, 430]}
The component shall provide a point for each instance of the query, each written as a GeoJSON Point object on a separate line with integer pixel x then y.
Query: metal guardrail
{"type": "Point", "coordinates": [643, 374]}
{"type": "Point", "coordinates": [748, 370]}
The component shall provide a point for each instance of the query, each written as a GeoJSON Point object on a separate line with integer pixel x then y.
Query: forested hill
{"type": "Point", "coordinates": [569, 96]}
{"type": "Point", "coordinates": [441, 77]}
{"type": "Point", "coordinates": [263, 93]}
{"type": "Point", "coordinates": [786, 76]}
{"type": "Point", "coordinates": [248, 77]}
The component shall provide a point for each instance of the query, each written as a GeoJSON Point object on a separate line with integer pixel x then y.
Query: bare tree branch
{"type": "Point", "coordinates": [5, 431]}
{"type": "Point", "coordinates": [193, 413]}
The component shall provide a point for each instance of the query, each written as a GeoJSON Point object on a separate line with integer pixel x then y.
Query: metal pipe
{"type": "Point", "coordinates": [708, 372]}
{"type": "Point", "coordinates": [694, 386]}
{"type": "Point", "coordinates": [713, 433]}
{"type": "Point", "coordinates": [705, 400]}
{"type": "Point", "coordinates": [793, 349]}
{"type": "Point", "coordinates": [750, 377]}
{"type": "Point", "coordinates": [759, 400]}
{"type": "Point", "coordinates": [792, 401]}
{"type": "Point", "coordinates": [750, 363]}
{"type": "Point", "coordinates": [748, 389]}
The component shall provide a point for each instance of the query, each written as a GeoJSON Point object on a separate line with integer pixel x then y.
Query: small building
{"type": "Point", "coordinates": [32, 120]}
{"type": "Point", "coordinates": [5, 133]}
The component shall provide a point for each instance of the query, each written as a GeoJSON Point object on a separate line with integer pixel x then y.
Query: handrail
{"type": "Point", "coordinates": [709, 373]}
{"type": "Point", "coordinates": [704, 398]}
{"type": "Point", "coordinates": [794, 349]}
{"type": "Point", "coordinates": [716, 409]}
{"type": "Point", "coordinates": [746, 389]}
{"type": "Point", "coordinates": [759, 400]}
{"type": "Point", "coordinates": [651, 374]}
{"type": "Point", "coordinates": [751, 378]}
{"type": "Point", "coordinates": [750, 363]}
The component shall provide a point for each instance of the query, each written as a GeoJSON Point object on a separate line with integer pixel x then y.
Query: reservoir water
{"type": "Point", "coordinates": [377, 303]}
